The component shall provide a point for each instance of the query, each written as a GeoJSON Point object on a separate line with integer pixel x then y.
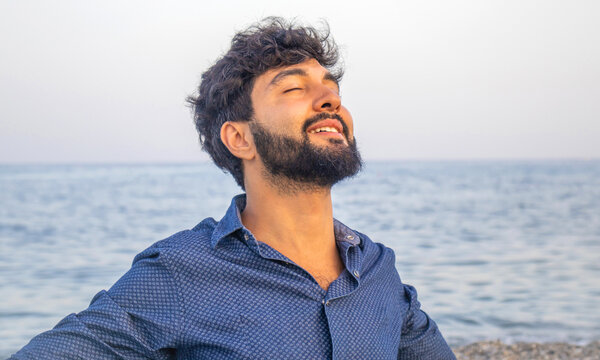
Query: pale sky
{"type": "Point", "coordinates": [105, 81]}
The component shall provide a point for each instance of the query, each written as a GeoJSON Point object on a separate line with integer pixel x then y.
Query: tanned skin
{"type": "Point", "coordinates": [292, 218]}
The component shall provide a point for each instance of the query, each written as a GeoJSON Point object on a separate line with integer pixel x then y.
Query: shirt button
{"type": "Point", "coordinates": [356, 273]}
{"type": "Point", "coordinates": [327, 303]}
{"type": "Point", "coordinates": [246, 237]}
{"type": "Point", "coordinates": [323, 301]}
{"type": "Point", "coordinates": [350, 237]}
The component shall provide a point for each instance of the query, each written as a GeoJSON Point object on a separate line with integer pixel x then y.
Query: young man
{"type": "Point", "coordinates": [277, 277]}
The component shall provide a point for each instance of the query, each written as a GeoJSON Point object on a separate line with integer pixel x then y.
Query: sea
{"type": "Point", "coordinates": [505, 250]}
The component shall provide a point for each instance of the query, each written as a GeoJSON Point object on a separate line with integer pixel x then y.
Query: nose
{"type": "Point", "coordinates": [327, 99]}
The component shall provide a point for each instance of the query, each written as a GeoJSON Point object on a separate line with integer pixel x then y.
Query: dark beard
{"type": "Point", "coordinates": [308, 166]}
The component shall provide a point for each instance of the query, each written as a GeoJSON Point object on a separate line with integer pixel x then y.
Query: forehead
{"type": "Point", "coordinates": [309, 68]}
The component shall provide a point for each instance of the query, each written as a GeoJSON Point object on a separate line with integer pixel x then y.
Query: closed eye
{"type": "Point", "coordinates": [292, 89]}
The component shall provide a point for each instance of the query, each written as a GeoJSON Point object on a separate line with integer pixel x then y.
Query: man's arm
{"type": "Point", "coordinates": [421, 338]}
{"type": "Point", "coordinates": [138, 318]}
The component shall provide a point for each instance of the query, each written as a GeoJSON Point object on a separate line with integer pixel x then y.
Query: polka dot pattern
{"type": "Point", "coordinates": [215, 292]}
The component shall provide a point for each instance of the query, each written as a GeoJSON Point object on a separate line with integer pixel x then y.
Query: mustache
{"type": "Point", "coordinates": [323, 116]}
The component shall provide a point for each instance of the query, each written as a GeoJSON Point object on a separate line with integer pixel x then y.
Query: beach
{"type": "Point", "coordinates": [522, 350]}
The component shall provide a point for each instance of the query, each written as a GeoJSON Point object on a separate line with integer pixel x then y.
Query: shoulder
{"type": "Point", "coordinates": [377, 261]}
{"type": "Point", "coordinates": [195, 238]}
{"type": "Point", "coordinates": [183, 247]}
{"type": "Point", "coordinates": [375, 252]}
{"type": "Point", "coordinates": [160, 266]}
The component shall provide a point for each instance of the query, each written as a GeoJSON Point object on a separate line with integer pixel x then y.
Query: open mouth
{"type": "Point", "coordinates": [324, 129]}
{"type": "Point", "coordinates": [331, 127]}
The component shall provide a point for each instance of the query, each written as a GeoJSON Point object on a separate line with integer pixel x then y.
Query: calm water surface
{"type": "Point", "coordinates": [507, 250]}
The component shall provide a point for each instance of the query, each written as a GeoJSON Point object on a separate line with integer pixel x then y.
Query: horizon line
{"type": "Point", "coordinates": [374, 160]}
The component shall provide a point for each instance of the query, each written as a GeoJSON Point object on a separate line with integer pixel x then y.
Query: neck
{"type": "Point", "coordinates": [300, 222]}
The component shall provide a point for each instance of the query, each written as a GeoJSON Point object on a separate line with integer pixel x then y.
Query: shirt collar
{"type": "Point", "coordinates": [232, 222]}
{"type": "Point", "coordinates": [345, 234]}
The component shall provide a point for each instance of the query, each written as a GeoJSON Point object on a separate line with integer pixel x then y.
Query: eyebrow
{"type": "Point", "coordinates": [329, 76]}
{"type": "Point", "coordinates": [290, 72]}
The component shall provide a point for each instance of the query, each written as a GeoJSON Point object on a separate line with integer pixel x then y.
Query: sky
{"type": "Point", "coordinates": [106, 81]}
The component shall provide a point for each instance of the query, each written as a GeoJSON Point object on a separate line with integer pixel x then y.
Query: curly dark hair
{"type": "Point", "coordinates": [224, 91]}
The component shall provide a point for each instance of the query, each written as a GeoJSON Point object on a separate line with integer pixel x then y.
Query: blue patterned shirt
{"type": "Point", "coordinates": [215, 292]}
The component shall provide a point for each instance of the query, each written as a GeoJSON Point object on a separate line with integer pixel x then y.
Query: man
{"type": "Point", "coordinates": [277, 277]}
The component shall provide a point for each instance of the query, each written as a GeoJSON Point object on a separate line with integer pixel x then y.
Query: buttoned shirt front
{"type": "Point", "coordinates": [215, 292]}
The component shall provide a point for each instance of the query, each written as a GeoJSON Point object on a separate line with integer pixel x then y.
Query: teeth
{"type": "Point", "coordinates": [323, 129]}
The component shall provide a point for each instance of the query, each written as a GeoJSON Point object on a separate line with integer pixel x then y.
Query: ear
{"type": "Point", "coordinates": [236, 137]}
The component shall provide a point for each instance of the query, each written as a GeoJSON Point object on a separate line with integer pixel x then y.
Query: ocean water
{"type": "Point", "coordinates": [504, 250]}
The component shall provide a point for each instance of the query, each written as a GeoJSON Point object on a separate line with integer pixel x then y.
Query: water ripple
{"type": "Point", "coordinates": [496, 249]}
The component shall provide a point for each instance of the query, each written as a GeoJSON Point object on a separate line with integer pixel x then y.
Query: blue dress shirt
{"type": "Point", "coordinates": [215, 292]}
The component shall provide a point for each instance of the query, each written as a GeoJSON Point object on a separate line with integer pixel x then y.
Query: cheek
{"type": "Point", "coordinates": [283, 119]}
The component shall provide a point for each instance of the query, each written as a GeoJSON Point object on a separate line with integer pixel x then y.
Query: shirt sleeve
{"type": "Point", "coordinates": [138, 318]}
{"type": "Point", "coordinates": [421, 338]}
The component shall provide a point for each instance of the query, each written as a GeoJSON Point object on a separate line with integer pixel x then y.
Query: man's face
{"type": "Point", "coordinates": [301, 131]}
